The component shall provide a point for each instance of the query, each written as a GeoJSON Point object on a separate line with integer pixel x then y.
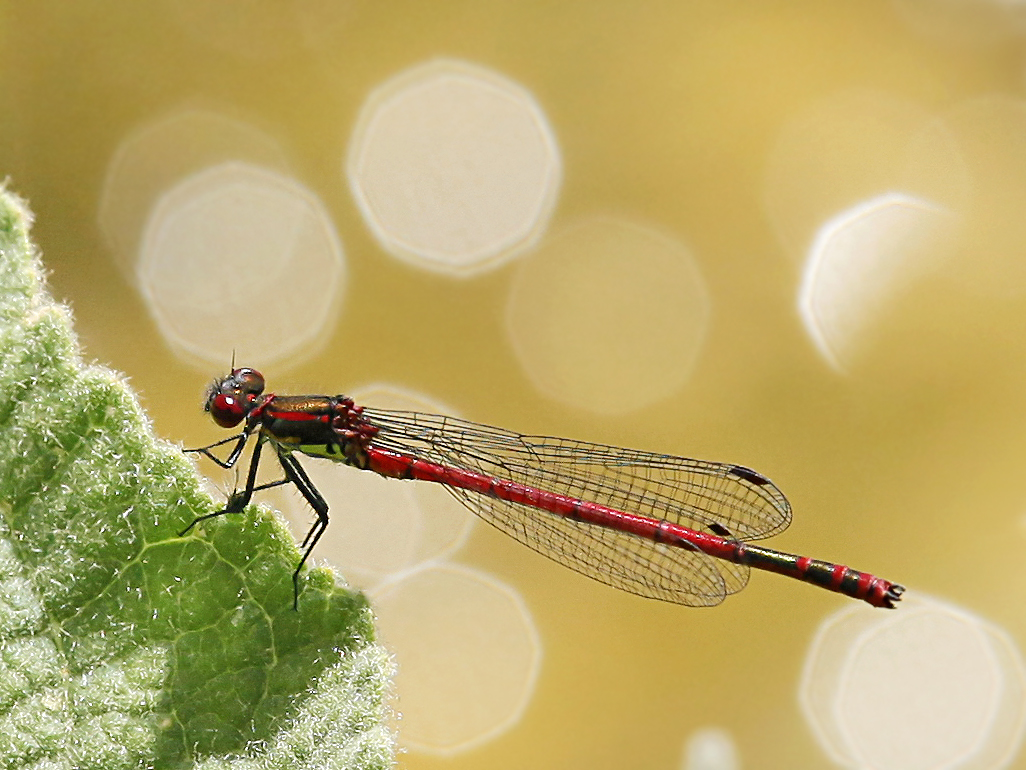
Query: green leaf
{"type": "Point", "coordinates": [123, 645]}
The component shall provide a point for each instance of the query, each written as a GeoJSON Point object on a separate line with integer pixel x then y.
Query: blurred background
{"type": "Point", "coordinates": [788, 235]}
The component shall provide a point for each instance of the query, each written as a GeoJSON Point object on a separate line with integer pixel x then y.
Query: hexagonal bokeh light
{"type": "Point", "coordinates": [926, 688]}
{"type": "Point", "coordinates": [860, 261]}
{"type": "Point", "coordinates": [160, 154]}
{"type": "Point", "coordinates": [380, 528]}
{"type": "Point", "coordinates": [467, 652]}
{"type": "Point", "coordinates": [607, 308]}
{"type": "Point", "coordinates": [237, 258]}
{"type": "Point", "coordinates": [848, 147]}
{"type": "Point", "coordinates": [454, 167]}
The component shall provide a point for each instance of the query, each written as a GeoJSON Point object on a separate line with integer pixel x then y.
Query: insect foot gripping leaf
{"type": "Point", "coordinates": [122, 645]}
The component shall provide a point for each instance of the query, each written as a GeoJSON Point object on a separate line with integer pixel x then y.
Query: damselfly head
{"type": "Point", "coordinates": [230, 398]}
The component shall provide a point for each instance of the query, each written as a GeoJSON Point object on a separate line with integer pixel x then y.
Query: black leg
{"type": "Point", "coordinates": [232, 458]}
{"type": "Point", "coordinates": [272, 484]}
{"type": "Point", "coordinates": [238, 500]}
{"type": "Point", "coordinates": [295, 473]}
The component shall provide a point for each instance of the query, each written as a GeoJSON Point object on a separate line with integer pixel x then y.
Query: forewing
{"type": "Point", "coordinates": [699, 495]}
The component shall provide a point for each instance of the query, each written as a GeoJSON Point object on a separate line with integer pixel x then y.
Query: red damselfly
{"type": "Point", "coordinates": [656, 525]}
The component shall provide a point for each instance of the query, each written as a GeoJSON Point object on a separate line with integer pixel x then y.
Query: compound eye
{"type": "Point", "coordinates": [249, 381]}
{"type": "Point", "coordinates": [227, 411]}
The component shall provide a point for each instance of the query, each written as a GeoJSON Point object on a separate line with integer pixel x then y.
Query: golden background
{"type": "Point", "coordinates": [681, 115]}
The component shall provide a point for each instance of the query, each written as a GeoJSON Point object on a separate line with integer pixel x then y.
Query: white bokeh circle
{"type": "Point", "coordinates": [158, 155]}
{"type": "Point", "coordinates": [846, 148]}
{"type": "Point", "coordinates": [928, 687]}
{"type": "Point", "coordinates": [608, 316]}
{"type": "Point", "coordinates": [240, 260]}
{"type": "Point", "coordinates": [467, 653]}
{"type": "Point", "coordinates": [860, 262]}
{"type": "Point", "coordinates": [454, 167]}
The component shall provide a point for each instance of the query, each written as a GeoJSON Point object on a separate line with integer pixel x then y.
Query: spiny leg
{"type": "Point", "coordinates": [295, 473]}
{"type": "Point", "coordinates": [238, 500]}
{"type": "Point", "coordinates": [233, 458]}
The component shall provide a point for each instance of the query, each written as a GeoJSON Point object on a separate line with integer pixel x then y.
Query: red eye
{"type": "Point", "coordinates": [227, 411]}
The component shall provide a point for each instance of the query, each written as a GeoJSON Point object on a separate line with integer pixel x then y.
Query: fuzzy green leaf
{"type": "Point", "coordinates": [123, 645]}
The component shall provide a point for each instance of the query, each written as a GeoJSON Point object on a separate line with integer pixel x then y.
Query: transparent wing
{"type": "Point", "coordinates": [704, 496]}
